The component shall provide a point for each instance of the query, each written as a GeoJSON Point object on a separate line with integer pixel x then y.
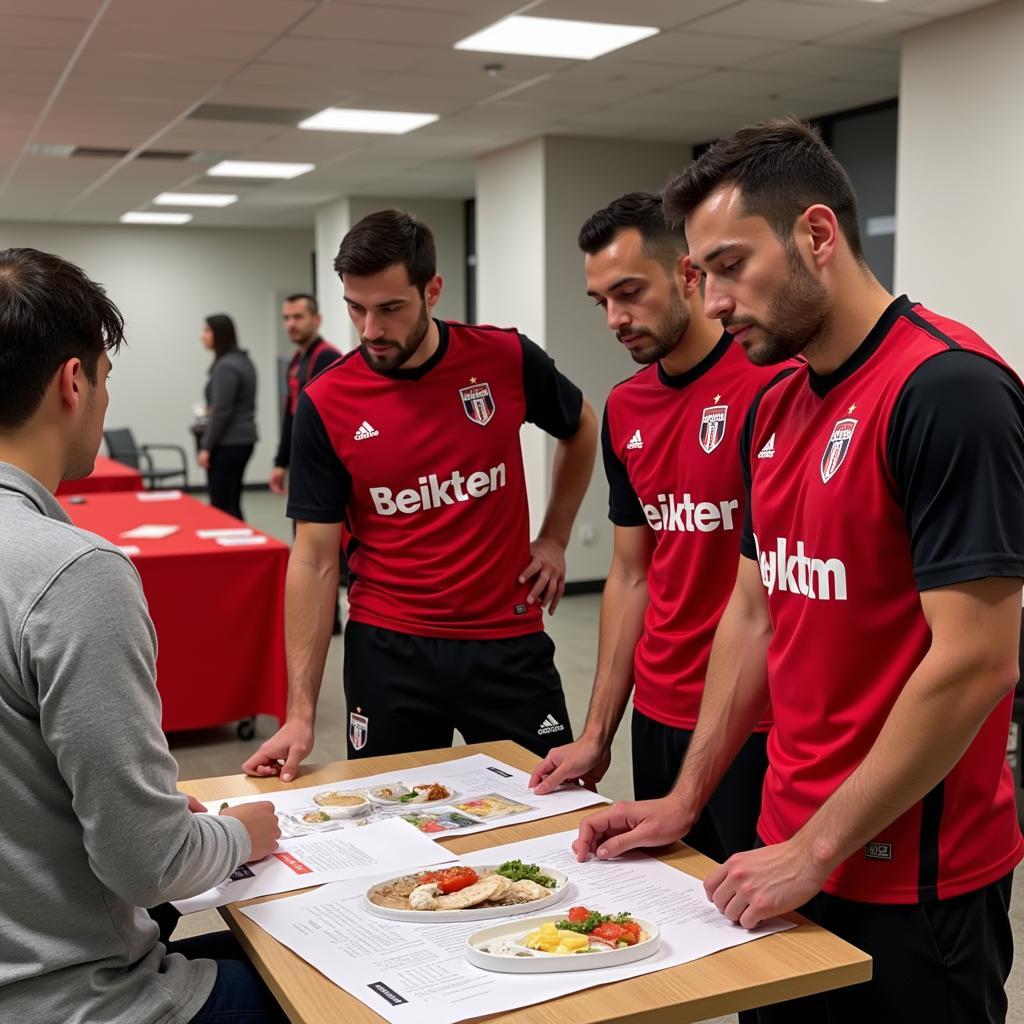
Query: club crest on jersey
{"type": "Point", "coordinates": [837, 447]}
{"type": "Point", "coordinates": [478, 402]}
{"type": "Point", "coordinates": [712, 427]}
{"type": "Point", "coordinates": [358, 730]}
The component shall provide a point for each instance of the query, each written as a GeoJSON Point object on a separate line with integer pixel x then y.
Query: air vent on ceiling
{"type": "Point", "coordinates": [102, 152]}
{"type": "Point", "coordinates": [165, 154]}
{"type": "Point", "coordinates": [252, 115]}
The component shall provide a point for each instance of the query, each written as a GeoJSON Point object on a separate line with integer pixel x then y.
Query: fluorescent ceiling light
{"type": "Point", "coordinates": [382, 122]}
{"type": "Point", "coordinates": [257, 169]}
{"type": "Point", "coordinates": [195, 199]}
{"type": "Point", "coordinates": [554, 37]}
{"type": "Point", "coordinates": [155, 218]}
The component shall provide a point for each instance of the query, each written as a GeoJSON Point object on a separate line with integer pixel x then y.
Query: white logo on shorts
{"type": "Point", "coordinates": [358, 729]}
{"type": "Point", "coordinates": [550, 724]}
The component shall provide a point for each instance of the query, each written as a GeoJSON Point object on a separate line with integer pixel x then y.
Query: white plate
{"type": "Point", "coordinates": [563, 888]}
{"type": "Point", "coordinates": [549, 963]}
{"type": "Point", "coordinates": [388, 802]}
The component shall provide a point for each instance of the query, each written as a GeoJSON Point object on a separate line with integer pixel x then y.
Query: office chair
{"type": "Point", "coordinates": [123, 448]}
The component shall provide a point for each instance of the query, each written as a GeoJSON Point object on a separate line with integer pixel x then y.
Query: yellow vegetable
{"type": "Point", "coordinates": [548, 939]}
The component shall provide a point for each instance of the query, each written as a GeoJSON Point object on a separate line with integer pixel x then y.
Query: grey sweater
{"type": "Point", "coordinates": [231, 399]}
{"type": "Point", "coordinates": [91, 826]}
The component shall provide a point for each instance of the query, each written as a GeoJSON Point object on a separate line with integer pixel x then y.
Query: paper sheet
{"type": "Point", "coordinates": [151, 531]}
{"type": "Point", "coordinates": [225, 531]}
{"type": "Point", "coordinates": [129, 549]}
{"type": "Point", "coordinates": [387, 847]}
{"type": "Point", "coordinates": [158, 495]}
{"type": "Point", "coordinates": [487, 794]}
{"type": "Point", "coordinates": [238, 542]}
{"type": "Point", "coordinates": [417, 973]}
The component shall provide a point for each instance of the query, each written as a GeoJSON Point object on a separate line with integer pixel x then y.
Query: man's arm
{"type": "Point", "coordinates": [310, 588]}
{"type": "Point", "coordinates": [570, 476]}
{"type": "Point", "coordinates": [623, 606]}
{"type": "Point", "coordinates": [735, 698]}
{"type": "Point", "coordinates": [279, 473]}
{"type": "Point", "coordinates": [970, 667]}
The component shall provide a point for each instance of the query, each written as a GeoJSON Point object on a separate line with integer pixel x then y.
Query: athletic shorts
{"type": "Point", "coordinates": [406, 693]}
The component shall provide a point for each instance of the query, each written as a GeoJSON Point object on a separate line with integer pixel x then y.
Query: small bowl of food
{"type": "Point", "coordinates": [337, 804]}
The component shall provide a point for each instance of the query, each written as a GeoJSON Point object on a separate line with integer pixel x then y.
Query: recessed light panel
{"type": "Point", "coordinates": [379, 122]}
{"type": "Point", "coordinates": [554, 37]}
{"type": "Point", "coordinates": [138, 217]}
{"type": "Point", "coordinates": [257, 169]}
{"type": "Point", "coordinates": [195, 199]}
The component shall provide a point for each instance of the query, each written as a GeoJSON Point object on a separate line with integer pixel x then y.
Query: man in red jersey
{"type": "Point", "coordinates": [412, 442]}
{"type": "Point", "coordinates": [878, 600]}
{"type": "Point", "coordinates": [676, 496]}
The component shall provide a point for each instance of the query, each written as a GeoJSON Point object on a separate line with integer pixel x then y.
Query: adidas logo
{"type": "Point", "coordinates": [365, 431]}
{"type": "Point", "coordinates": [768, 451]}
{"type": "Point", "coordinates": [550, 724]}
{"type": "Point", "coordinates": [636, 441]}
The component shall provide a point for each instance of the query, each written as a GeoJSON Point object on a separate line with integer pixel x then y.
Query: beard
{"type": "Point", "coordinates": [797, 316]}
{"type": "Point", "coordinates": [665, 335]}
{"type": "Point", "coordinates": [401, 351]}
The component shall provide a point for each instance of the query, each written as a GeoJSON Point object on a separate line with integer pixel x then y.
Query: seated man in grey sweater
{"type": "Point", "coordinates": [92, 828]}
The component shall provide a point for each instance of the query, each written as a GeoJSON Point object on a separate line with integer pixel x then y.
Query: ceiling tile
{"type": "Point", "coordinates": [44, 33]}
{"type": "Point", "coordinates": [512, 68]}
{"type": "Point", "coordinates": [390, 24]}
{"type": "Point", "coordinates": [774, 19]}
{"type": "Point", "coordinates": [339, 53]}
{"type": "Point", "coordinates": [51, 8]}
{"type": "Point", "coordinates": [722, 86]}
{"type": "Point", "coordinates": [659, 13]}
{"type": "Point", "coordinates": [272, 16]}
{"type": "Point", "coordinates": [882, 34]}
{"type": "Point", "coordinates": [309, 97]}
{"type": "Point", "coordinates": [218, 135]}
{"type": "Point", "coordinates": [34, 59]}
{"type": "Point", "coordinates": [822, 61]}
{"type": "Point", "coordinates": [160, 40]}
{"type": "Point", "coordinates": [698, 49]}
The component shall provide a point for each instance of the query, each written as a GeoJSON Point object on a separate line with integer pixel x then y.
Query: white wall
{"type": "Point", "coordinates": [531, 201]}
{"type": "Point", "coordinates": [445, 218]}
{"type": "Point", "coordinates": [960, 206]}
{"type": "Point", "coordinates": [165, 281]}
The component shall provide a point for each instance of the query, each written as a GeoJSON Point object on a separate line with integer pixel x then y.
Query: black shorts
{"type": "Point", "coordinates": [728, 823]}
{"type": "Point", "coordinates": [407, 693]}
{"type": "Point", "coordinates": [943, 961]}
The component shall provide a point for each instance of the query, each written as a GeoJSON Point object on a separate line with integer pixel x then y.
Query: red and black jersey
{"type": "Point", "coordinates": [424, 467]}
{"type": "Point", "coordinates": [900, 472]}
{"type": "Point", "coordinates": [303, 367]}
{"type": "Point", "coordinates": [671, 454]}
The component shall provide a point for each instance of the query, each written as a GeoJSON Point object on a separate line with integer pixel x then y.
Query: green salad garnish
{"type": "Point", "coordinates": [517, 870]}
{"type": "Point", "coordinates": [591, 921]}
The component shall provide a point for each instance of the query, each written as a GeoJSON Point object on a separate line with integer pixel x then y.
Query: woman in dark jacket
{"type": "Point", "coordinates": [227, 443]}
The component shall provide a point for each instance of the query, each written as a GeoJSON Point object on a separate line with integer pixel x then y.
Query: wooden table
{"type": "Point", "coordinates": [795, 963]}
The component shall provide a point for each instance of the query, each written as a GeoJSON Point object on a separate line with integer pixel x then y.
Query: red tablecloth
{"type": "Point", "coordinates": [107, 475]}
{"type": "Point", "coordinates": [218, 611]}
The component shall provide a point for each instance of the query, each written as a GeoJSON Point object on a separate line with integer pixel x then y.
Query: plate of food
{"type": "Point", "coordinates": [398, 794]}
{"type": "Point", "coordinates": [582, 940]}
{"type": "Point", "coordinates": [338, 804]}
{"type": "Point", "coordinates": [466, 893]}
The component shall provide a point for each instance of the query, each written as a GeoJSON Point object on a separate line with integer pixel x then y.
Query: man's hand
{"type": "Point", "coordinates": [260, 822]}
{"type": "Point", "coordinates": [548, 565]}
{"type": "Point", "coordinates": [291, 744]}
{"type": "Point", "coordinates": [203, 458]}
{"type": "Point", "coordinates": [585, 759]}
{"type": "Point", "coordinates": [277, 480]}
{"type": "Point", "coordinates": [753, 886]}
{"type": "Point", "coordinates": [629, 825]}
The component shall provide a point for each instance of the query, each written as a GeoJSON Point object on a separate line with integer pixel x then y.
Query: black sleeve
{"type": "Point", "coordinates": [319, 485]}
{"type": "Point", "coordinates": [624, 507]}
{"type": "Point", "coordinates": [553, 402]}
{"type": "Point", "coordinates": [284, 447]}
{"type": "Point", "coordinates": [325, 358]}
{"type": "Point", "coordinates": [956, 453]}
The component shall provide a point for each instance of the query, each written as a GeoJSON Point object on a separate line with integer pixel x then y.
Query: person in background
{"type": "Point", "coordinates": [92, 827]}
{"type": "Point", "coordinates": [301, 317]}
{"type": "Point", "coordinates": [230, 436]}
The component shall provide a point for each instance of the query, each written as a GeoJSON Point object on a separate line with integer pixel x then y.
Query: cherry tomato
{"type": "Point", "coordinates": [630, 933]}
{"type": "Point", "coordinates": [609, 932]}
{"type": "Point", "coordinates": [454, 879]}
{"type": "Point", "coordinates": [578, 914]}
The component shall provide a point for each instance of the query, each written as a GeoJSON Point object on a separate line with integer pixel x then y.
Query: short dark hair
{"type": "Point", "coordinates": [640, 210]}
{"type": "Point", "coordinates": [50, 312]}
{"type": "Point", "coordinates": [385, 239]}
{"type": "Point", "coordinates": [782, 167]}
{"type": "Point", "coordinates": [225, 338]}
{"type": "Point", "coordinates": [314, 306]}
